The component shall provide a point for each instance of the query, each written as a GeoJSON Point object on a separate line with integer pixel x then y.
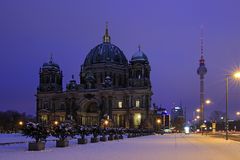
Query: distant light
{"type": "Point", "coordinates": [55, 122]}
{"type": "Point", "coordinates": [198, 117]}
{"type": "Point", "coordinates": [198, 110]}
{"type": "Point", "coordinates": [139, 116]}
{"type": "Point", "coordinates": [238, 113]}
{"type": "Point", "coordinates": [186, 129]}
{"type": "Point", "coordinates": [106, 122]}
{"type": "Point", "coordinates": [205, 121]}
{"type": "Point", "coordinates": [20, 123]}
{"type": "Point", "coordinates": [208, 101]}
{"type": "Point", "coordinates": [158, 121]}
{"type": "Point", "coordinates": [221, 117]}
{"type": "Point", "coordinates": [203, 126]}
{"type": "Point", "coordinates": [177, 108]}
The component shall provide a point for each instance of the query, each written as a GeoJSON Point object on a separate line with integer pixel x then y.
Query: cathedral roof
{"type": "Point", "coordinates": [51, 65]}
{"type": "Point", "coordinates": [106, 52]}
{"type": "Point", "coordinates": [139, 56]}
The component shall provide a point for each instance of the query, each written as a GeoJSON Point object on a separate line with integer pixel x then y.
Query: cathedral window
{"type": "Point", "coordinates": [120, 80]}
{"type": "Point", "coordinates": [61, 118]}
{"type": "Point", "coordinates": [47, 79]}
{"type": "Point", "coordinates": [120, 104]}
{"type": "Point", "coordinates": [139, 74]}
{"type": "Point", "coordinates": [45, 106]}
{"type": "Point", "coordinates": [44, 118]}
{"type": "Point", "coordinates": [101, 77]}
{"type": "Point", "coordinates": [114, 79]}
{"type": "Point", "coordinates": [137, 103]}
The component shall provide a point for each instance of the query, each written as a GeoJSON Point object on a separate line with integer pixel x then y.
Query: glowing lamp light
{"type": "Point", "coordinates": [106, 122]}
{"type": "Point", "coordinates": [139, 116]}
{"type": "Point", "coordinates": [20, 123]}
{"type": "Point", "coordinates": [238, 113]}
{"type": "Point", "coordinates": [198, 110]}
{"type": "Point", "coordinates": [55, 122]}
{"type": "Point", "coordinates": [158, 121]}
{"type": "Point", "coordinates": [236, 75]}
{"type": "Point", "coordinates": [208, 101]}
{"type": "Point", "coordinates": [198, 117]}
{"type": "Point", "coordinates": [186, 130]}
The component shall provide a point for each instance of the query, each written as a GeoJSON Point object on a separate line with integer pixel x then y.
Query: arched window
{"type": "Point", "coordinates": [139, 74]}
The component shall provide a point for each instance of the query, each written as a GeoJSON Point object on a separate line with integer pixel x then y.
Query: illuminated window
{"type": "Point", "coordinates": [120, 104]}
{"type": "Point", "coordinates": [62, 118]}
{"type": "Point", "coordinates": [137, 103]}
{"type": "Point", "coordinates": [44, 118]}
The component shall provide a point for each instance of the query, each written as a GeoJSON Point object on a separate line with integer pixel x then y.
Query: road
{"type": "Point", "coordinates": [156, 147]}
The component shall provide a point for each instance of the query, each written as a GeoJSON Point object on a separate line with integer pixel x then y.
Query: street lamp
{"type": "Point", "coordinates": [198, 110]}
{"type": "Point", "coordinates": [238, 113]}
{"type": "Point", "coordinates": [208, 101]}
{"type": "Point", "coordinates": [158, 121]}
{"type": "Point", "coordinates": [235, 75]}
{"type": "Point", "coordinates": [20, 123]}
{"type": "Point", "coordinates": [56, 123]}
{"type": "Point", "coordinates": [106, 122]}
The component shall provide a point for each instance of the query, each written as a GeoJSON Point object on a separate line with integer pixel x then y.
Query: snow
{"type": "Point", "coordinates": [155, 147]}
{"type": "Point", "coordinates": [14, 137]}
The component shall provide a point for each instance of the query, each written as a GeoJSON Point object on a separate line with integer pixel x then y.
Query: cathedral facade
{"type": "Point", "coordinates": [111, 87]}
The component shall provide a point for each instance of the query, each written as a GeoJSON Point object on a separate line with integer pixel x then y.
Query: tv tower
{"type": "Point", "coordinates": [201, 71]}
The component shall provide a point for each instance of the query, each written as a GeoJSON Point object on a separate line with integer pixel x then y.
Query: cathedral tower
{"type": "Point", "coordinates": [50, 77]}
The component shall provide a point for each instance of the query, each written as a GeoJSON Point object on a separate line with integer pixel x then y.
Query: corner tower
{"type": "Point", "coordinates": [139, 70]}
{"type": "Point", "coordinates": [50, 77]}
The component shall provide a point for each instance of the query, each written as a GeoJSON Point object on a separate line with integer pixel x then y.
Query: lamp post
{"type": "Point", "coordinates": [235, 75]}
{"type": "Point", "coordinates": [106, 123]}
{"type": "Point", "coordinates": [158, 124]}
{"type": "Point", "coordinates": [226, 119]}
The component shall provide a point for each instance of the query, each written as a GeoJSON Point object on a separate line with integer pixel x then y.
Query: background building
{"type": "Point", "coordinates": [177, 117]}
{"type": "Point", "coordinates": [110, 87]}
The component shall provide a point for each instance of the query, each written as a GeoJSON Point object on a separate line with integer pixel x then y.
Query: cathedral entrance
{"type": "Point", "coordinates": [137, 120]}
{"type": "Point", "coordinates": [90, 114]}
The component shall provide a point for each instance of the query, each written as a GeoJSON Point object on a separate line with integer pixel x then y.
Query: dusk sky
{"type": "Point", "coordinates": [168, 32]}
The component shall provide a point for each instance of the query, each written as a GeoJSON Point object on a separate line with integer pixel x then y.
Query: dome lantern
{"type": "Point", "coordinates": [139, 56]}
{"type": "Point", "coordinates": [106, 37]}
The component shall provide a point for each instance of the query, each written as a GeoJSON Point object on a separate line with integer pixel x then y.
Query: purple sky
{"type": "Point", "coordinates": [168, 32]}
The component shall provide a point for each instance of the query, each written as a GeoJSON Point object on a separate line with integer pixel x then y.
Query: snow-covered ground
{"type": "Point", "coordinates": [156, 147]}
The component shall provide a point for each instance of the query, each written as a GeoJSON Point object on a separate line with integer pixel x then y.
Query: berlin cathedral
{"type": "Point", "coordinates": [111, 87]}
